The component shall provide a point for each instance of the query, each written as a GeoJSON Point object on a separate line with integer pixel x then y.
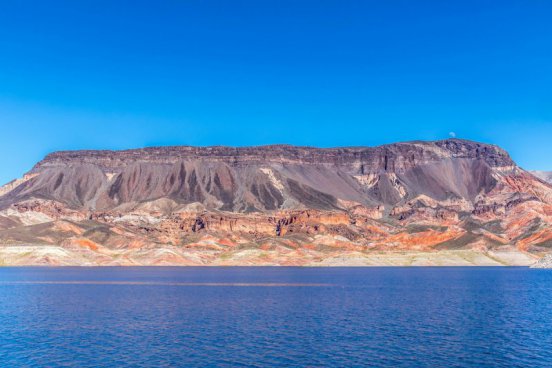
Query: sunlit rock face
{"type": "Point", "coordinates": [543, 175]}
{"type": "Point", "coordinates": [273, 205]}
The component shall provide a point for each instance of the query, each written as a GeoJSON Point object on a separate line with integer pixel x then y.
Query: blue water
{"type": "Point", "coordinates": [151, 317]}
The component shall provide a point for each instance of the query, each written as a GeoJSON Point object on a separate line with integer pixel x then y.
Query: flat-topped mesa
{"type": "Point", "coordinates": [395, 157]}
{"type": "Point", "coordinates": [267, 178]}
{"type": "Point", "coordinates": [172, 203]}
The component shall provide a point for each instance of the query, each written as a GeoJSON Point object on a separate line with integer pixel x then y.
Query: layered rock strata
{"type": "Point", "coordinates": [280, 205]}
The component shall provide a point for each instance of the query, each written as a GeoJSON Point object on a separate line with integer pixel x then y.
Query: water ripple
{"type": "Point", "coordinates": [333, 317]}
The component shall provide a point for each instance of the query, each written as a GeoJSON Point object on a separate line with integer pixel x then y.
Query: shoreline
{"type": "Point", "coordinates": [56, 256]}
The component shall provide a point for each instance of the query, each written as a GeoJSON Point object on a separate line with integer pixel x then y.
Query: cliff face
{"type": "Point", "coordinates": [266, 178]}
{"type": "Point", "coordinates": [294, 205]}
{"type": "Point", "coordinates": [375, 158]}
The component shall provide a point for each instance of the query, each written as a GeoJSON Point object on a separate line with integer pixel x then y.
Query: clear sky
{"type": "Point", "coordinates": [125, 74]}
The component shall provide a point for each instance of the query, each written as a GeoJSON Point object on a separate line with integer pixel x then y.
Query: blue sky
{"type": "Point", "coordinates": [116, 74]}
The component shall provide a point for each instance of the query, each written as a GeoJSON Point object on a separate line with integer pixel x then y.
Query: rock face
{"type": "Point", "coordinates": [274, 205]}
{"type": "Point", "coordinates": [544, 262]}
{"type": "Point", "coordinates": [544, 175]}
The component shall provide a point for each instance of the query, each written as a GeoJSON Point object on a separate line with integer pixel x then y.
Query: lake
{"type": "Point", "coordinates": [270, 316]}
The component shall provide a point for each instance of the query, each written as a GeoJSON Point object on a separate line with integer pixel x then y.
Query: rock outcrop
{"type": "Point", "coordinates": [544, 262]}
{"type": "Point", "coordinates": [274, 205]}
{"type": "Point", "coordinates": [544, 175]}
